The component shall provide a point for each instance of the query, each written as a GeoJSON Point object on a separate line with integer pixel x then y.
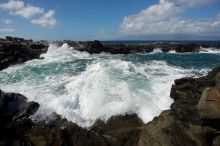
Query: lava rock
{"type": "Point", "coordinates": [17, 50]}
{"type": "Point", "coordinates": [183, 124]}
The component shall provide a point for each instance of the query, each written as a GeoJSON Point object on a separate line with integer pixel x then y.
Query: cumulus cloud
{"type": "Point", "coordinates": [155, 13]}
{"type": "Point", "coordinates": [164, 18]}
{"type": "Point", "coordinates": [46, 20]}
{"type": "Point", "coordinates": [19, 8]}
{"type": "Point", "coordinates": [27, 11]}
{"type": "Point", "coordinates": [6, 30]}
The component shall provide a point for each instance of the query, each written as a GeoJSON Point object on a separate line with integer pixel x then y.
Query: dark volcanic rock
{"type": "Point", "coordinates": [183, 125]}
{"type": "Point", "coordinates": [97, 47]}
{"type": "Point", "coordinates": [61, 132]}
{"type": "Point", "coordinates": [14, 117]}
{"type": "Point", "coordinates": [125, 129]}
{"type": "Point", "coordinates": [91, 47]}
{"type": "Point", "coordinates": [16, 127]}
{"type": "Point", "coordinates": [17, 50]}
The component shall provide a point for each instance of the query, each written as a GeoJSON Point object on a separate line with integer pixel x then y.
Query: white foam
{"type": "Point", "coordinates": [106, 87]}
{"type": "Point", "coordinates": [157, 50]}
{"type": "Point", "coordinates": [209, 50]}
{"type": "Point", "coordinates": [63, 53]}
{"type": "Point", "coordinates": [172, 52]}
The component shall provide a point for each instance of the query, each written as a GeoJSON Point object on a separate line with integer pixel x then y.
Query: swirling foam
{"type": "Point", "coordinates": [84, 88]}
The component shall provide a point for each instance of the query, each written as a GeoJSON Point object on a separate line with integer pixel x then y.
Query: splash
{"type": "Point", "coordinates": [84, 88]}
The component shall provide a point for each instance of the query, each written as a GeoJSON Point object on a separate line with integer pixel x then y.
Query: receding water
{"type": "Point", "coordinates": [83, 87]}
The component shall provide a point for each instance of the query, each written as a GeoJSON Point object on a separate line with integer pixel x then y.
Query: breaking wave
{"type": "Point", "coordinates": [84, 88]}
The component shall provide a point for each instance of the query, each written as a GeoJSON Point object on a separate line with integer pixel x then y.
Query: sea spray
{"type": "Point", "coordinates": [83, 87]}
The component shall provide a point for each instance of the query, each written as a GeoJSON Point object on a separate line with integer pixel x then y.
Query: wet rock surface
{"type": "Point", "coordinates": [183, 124]}
{"type": "Point", "coordinates": [125, 129]}
{"type": "Point", "coordinates": [18, 50]}
{"type": "Point", "coordinates": [98, 47]}
{"type": "Point", "coordinates": [15, 50]}
{"type": "Point", "coordinates": [17, 128]}
{"type": "Point", "coordinates": [192, 120]}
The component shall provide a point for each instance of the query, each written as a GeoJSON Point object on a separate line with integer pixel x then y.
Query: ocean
{"type": "Point", "coordinates": [84, 88]}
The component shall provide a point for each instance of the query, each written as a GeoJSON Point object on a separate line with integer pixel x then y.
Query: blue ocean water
{"type": "Point", "coordinates": [83, 87]}
{"type": "Point", "coordinates": [143, 42]}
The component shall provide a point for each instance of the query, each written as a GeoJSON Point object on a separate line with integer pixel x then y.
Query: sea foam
{"type": "Point", "coordinates": [84, 88]}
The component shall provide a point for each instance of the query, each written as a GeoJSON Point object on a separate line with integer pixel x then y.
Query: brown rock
{"type": "Point", "coordinates": [216, 141]}
{"type": "Point", "coordinates": [217, 80]}
{"type": "Point", "coordinates": [209, 104]}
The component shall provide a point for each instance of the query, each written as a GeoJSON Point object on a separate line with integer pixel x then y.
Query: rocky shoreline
{"type": "Point", "coordinates": [184, 124]}
{"type": "Point", "coordinates": [188, 122]}
{"type": "Point", "coordinates": [18, 50]}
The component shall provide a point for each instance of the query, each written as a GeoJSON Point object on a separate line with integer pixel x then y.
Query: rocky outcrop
{"type": "Point", "coordinates": [125, 129]}
{"type": "Point", "coordinates": [97, 47]}
{"type": "Point", "coordinates": [15, 50]}
{"type": "Point", "coordinates": [14, 118]}
{"type": "Point", "coordinates": [18, 50]}
{"type": "Point", "coordinates": [17, 128]}
{"type": "Point", "coordinates": [184, 124]}
{"type": "Point", "coordinates": [193, 119]}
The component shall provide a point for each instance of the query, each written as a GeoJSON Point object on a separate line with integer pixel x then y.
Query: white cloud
{"type": "Point", "coordinates": [6, 21]}
{"type": "Point", "coordinates": [28, 11]}
{"type": "Point", "coordinates": [46, 20]}
{"type": "Point", "coordinates": [12, 5]}
{"type": "Point", "coordinates": [6, 30]}
{"type": "Point", "coordinates": [192, 3]}
{"type": "Point", "coordinates": [19, 8]}
{"type": "Point", "coordinates": [153, 14]}
{"type": "Point", "coordinates": [164, 18]}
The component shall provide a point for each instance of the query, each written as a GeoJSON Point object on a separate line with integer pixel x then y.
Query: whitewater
{"type": "Point", "coordinates": [84, 88]}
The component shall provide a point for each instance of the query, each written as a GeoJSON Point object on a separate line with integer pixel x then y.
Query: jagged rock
{"type": "Point", "coordinates": [91, 47]}
{"type": "Point", "coordinates": [14, 118]}
{"type": "Point", "coordinates": [15, 50]}
{"type": "Point", "coordinates": [18, 129]}
{"type": "Point", "coordinates": [166, 130]}
{"type": "Point", "coordinates": [61, 132]}
{"type": "Point", "coordinates": [125, 129]}
{"type": "Point", "coordinates": [182, 124]}
{"type": "Point", "coordinates": [97, 47]}
{"type": "Point", "coordinates": [18, 50]}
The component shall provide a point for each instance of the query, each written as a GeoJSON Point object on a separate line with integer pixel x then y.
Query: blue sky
{"type": "Point", "coordinates": [110, 19]}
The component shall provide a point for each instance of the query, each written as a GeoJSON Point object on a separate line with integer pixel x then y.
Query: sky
{"type": "Point", "coordinates": [111, 19]}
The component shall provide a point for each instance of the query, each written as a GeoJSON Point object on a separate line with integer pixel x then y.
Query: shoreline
{"type": "Point", "coordinates": [119, 130]}
{"type": "Point", "coordinates": [181, 125]}
{"type": "Point", "coordinates": [28, 49]}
